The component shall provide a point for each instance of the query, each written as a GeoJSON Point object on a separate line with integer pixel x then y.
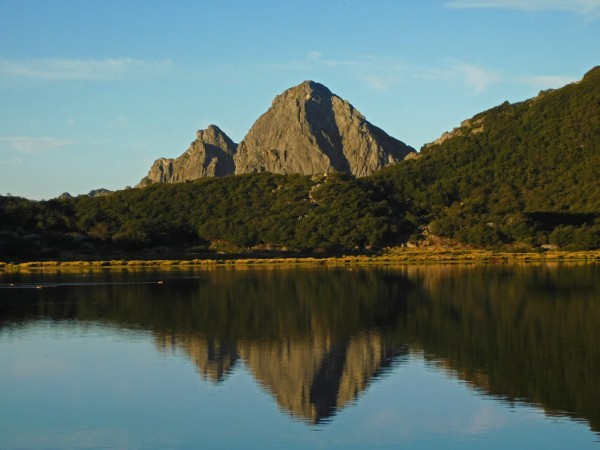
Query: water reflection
{"type": "Point", "coordinates": [312, 338]}
{"type": "Point", "coordinates": [316, 339]}
{"type": "Point", "coordinates": [520, 333]}
{"type": "Point", "coordinates": [310, 377]}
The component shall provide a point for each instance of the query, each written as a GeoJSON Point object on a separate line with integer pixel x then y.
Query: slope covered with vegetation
{"type": "Point", "coordinates": [293, 212]}
{"type": "Point", "coordinates": [524, 174]}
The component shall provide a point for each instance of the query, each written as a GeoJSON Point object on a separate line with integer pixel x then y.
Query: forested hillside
{"type": "Point", "coordinates": [279, 212]}
{"type": "Point", "coordinates": [522, 175]}
{"type": "Point", "coordinates": [526, 172]}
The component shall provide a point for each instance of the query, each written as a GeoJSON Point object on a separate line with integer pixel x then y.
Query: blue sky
{"type": "Point", "coordinates": [92, 92]}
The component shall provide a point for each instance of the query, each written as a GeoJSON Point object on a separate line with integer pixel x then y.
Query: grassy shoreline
{"type": "Point", "coordinates": [402, 257]}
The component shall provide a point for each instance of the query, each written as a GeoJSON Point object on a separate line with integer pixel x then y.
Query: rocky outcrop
{"type": "Point", "coordinates": [467, 127]}
{"type": "Point", "coordinates": [210, 155]}
{"type": "Point", "coordinates": [309, 130]}
{"type": "Point", "coordinates": [93, 193]}
{"type": "Point", "coordinates": [99, 192]}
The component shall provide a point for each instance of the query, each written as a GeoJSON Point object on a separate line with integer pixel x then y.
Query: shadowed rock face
{"type": "Point", "coordinates": [210, 155]}
{"type": "Point", "coordinates": [309, 130]}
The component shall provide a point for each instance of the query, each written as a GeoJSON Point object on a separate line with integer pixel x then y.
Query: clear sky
{"type": "Point", "coordinates": [92, 92]}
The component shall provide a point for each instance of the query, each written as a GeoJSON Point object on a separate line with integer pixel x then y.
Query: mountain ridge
{"type": "Point", "coordinates": [310, 130]}
{"type": "Point", "coordinates": [522, 176]}
{"type": "Point", "coordinates": [307, 130]}
{"type": "Point", "coordinates": [210, 155]}
{"type": "Point", "coordinates": [511, 171]}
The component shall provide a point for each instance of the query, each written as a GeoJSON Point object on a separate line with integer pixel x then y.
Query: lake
{"type": "Point", "coordinates": [419, 357]}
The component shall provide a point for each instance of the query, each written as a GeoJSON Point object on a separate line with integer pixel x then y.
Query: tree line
{"type": "Point", "coordinates": [523, 174]}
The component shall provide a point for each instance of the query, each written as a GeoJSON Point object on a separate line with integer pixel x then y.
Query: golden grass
{"type": "Point", "coordinates": [405, 256]}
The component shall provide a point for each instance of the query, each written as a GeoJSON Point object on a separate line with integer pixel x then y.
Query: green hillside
{"type": "Point", "coordinates": [263, 211]}
{"type": "Point", "coordinates": [524, 172]}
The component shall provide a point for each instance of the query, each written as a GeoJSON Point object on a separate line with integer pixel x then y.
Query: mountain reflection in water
{"type": "Point", "coordinates": [316, 338]}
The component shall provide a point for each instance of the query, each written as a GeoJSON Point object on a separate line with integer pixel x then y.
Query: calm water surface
{"type": "Point", "coordinates": [412, 357]}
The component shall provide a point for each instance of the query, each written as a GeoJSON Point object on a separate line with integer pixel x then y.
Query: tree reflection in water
{"type": "Point", "coordinates": [316, 338]}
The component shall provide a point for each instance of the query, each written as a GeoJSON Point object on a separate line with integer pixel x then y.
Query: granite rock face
{"type": "Point", "coordinates": [210, 155]}
{"type": "Point", "coordinates": [309, 130]}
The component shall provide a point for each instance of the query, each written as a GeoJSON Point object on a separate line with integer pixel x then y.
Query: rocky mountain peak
{"type": "Point", "coordinates": [309, 130]}
{"type": "Point", "coordinates": [210, 155]}
{"type": "Point", "coordinates": [213, 135]}
{"type": "Point", "coordinates": [309, 90]}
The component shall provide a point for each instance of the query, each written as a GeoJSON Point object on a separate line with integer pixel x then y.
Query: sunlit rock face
{"type": "Point", "coordinates": [309, 130]}
{"type": "Point", "coordinates": [210, 155]}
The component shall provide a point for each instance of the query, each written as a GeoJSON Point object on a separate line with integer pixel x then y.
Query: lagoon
{"type": "Point", "coordinates": [414, 356]}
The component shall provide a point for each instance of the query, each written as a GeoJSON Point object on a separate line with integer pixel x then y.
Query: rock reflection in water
{"type": "Point", "coordinates": [316, 338]}
{"type": "Point", "coordinates": [311, 378]}
{"type": "Point", "coordinates": [315, 346]}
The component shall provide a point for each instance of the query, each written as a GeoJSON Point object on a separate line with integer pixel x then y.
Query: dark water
{"type": "Point", "coordinates": [410, 357]}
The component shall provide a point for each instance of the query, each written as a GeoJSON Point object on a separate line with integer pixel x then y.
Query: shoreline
{"type": "Point", "coordinates": [397, 258]}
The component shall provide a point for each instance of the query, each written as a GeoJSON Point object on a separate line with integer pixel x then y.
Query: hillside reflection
{"type": "Point", "coordinates": [315, 339]}
{"type": "Point", "coordinates": [527, 333]}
